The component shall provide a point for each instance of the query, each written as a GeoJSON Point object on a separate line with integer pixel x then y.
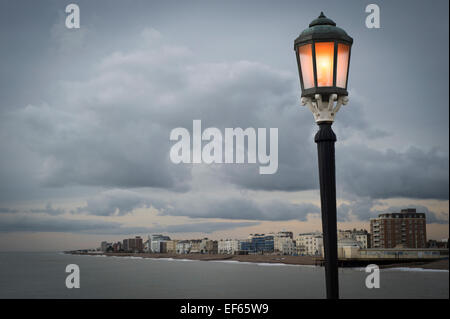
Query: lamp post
{"type": "Point", "coordinates": [323, 58]}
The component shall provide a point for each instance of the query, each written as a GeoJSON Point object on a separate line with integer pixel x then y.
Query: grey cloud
{"type": "Point", "coordinates": [241, 208]}
{"type": "Point", "coordinates": [195, 205]}
{"type": "Point", "coordinates": [29, 223]}
{"type": "Point", "coordinates": [113, 202]}
{"type": "Point", "coordinates": [376, 174]}
{"type": "Point", "coordinates": [112, 129]}
{"type": "Point", "coordinates": [351, 120]}
{"type": "Point", "coordinates": [8, 210]}
{"type": "Point", "coordinates": [238, 207]}
{"type": "Point", "coordinates": [207, 227]}
{"type": "Point", "coordinates": [362, 209]}
{"type": "Point", "coordinates": [358, 209]}
{"type": "Point", "coordinates": [432, 217]}
{"type": "Point", "coordinates": [48, 210]}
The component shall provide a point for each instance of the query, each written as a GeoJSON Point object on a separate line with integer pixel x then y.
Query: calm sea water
{"type": "Point", "coordinates": [42, 275]}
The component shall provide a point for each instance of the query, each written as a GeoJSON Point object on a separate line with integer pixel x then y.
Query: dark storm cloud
{"type": "Point", "coordinates": [112, 130]}
{"type": "Point", "coordinates": [241, 208]}
{"type": "Point", "coordinates": [376, 174]}
{"type": "Point", "coordinates": [107, 120]}
{"type": "Point", "coordinates": [7, 210]}
{"type": "Point", "coordinates": [362, 209]}
{"type": "Point", "coordinates": [235, 207]}
{"type": "Point", "coordinates": [351, 120]}
{"type": "Point", "coordinates": [27, 223]}
{"type": "Point", "coordinates": [113, 202]}
{"type": "Point", "coordinates": [431, 216]}
{"type": "Point", "coordinates": [48, 210]}
{"type": "Point", "coordinates": [207, 227]}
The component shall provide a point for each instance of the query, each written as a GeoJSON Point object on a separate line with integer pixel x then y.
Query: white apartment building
{"type": "Point", "coordinates": [228, 246]}
{"type": "Point", "coordinates": [361, 236]}
{"type": "Point", "coordinates": [284, 245]}
{"type": "Point", "coordinates": [363, 239]}
{"type": "Point", "coordinates": [208, 246]}
{"type": "Point", "coordinates": [147, 245]}
{"type": "Point", "coordinates": [155, 242]}
{"type": "Point", "coordinates": [345, 234]}
{"type": "Point", "coordinates": [309, 244]}
{"type": "Point", "coordinates": [183, 247]}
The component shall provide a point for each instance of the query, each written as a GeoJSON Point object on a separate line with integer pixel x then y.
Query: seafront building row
{"type": "Point", "coordinates": [390, 234]}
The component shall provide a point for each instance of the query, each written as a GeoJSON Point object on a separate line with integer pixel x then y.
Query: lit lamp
{"type": "Point", "coordinates": [323, 58]}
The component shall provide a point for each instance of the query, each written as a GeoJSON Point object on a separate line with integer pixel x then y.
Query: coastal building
{"type": "Point", "coordinates": [171, 246]}
{"type": "Point", "coordinates": [285, 234]}
{"type": "Point", "coordinates": [228, 246]}
{"type": "Point", "coordinates": [147, 245]}
{"type": "Point", "coordinates": [404, 229]}
{"type": "Point", "coordinates": [344, 234]}
{"type": "Point", "coordinates": [443, 243]}
{"type": "Point", "coordinates": [208, 246]}
{"type": "Point", "coordinates": [163, 247]}
{"type": "Point", "coordinates": [183, 247]}
{"type": "Point", "coordinates": [133, 244]}
{"type": "Point", "coordinates": [104, 246]}
{"type": "Point", "coordinates": [347, 248]}
{"type": "Point", "coordinates": [117, 247]}
{"type": "Point", "coordinates": [361, 236]}
{"type": "Point", "coordinates": [158, 243]}
{"type": "Point", "coordinates": [309, 244]}
{"type": "Point", "coordinates": [284, 244]}
{"type": "Point", "coordinates": [195, 246]}
{"type": "Point", "coordinates": [257, 244]}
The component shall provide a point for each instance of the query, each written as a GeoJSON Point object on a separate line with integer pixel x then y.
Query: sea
{"type": "Point", "coordinates": [43, 275]}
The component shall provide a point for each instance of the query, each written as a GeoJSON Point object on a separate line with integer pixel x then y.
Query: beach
{"type": "Point", "coordinates": [442, 264]}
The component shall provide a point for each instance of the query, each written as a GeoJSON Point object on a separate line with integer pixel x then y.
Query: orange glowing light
{"type": "Point", "coordinates": [306, 63]}
{"type": "Point", "coordinates": [324, 63]}
{"type": "Point", "coordinates": [342, 65]}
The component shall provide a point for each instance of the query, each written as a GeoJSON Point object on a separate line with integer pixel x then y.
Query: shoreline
{"type": "Point", "coordinates": [273, 259]}
{"type": "Point", "coordinates": [442, 264]}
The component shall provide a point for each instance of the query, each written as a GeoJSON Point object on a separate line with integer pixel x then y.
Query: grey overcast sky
{"type": "Point", "coordinates": [85, 117]}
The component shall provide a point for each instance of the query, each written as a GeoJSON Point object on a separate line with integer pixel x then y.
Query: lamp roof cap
{"type": "Point", "coordinates": [322, 29]}
{"type": "Point", "coordinates": [322, 20]}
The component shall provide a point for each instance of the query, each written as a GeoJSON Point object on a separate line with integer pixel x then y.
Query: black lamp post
{"type": "Point", "coordinates": [323, 58]}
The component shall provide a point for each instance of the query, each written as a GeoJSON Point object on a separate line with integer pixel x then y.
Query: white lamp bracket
{"type": "Point", "coordinates": [324, 111]}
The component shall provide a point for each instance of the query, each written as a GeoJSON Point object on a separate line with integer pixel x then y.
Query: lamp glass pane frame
{"type": "Point", "coordinates": [335, 63]}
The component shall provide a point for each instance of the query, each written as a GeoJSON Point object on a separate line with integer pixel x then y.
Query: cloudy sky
{"type": "Point", "coordinates": [85, 118]}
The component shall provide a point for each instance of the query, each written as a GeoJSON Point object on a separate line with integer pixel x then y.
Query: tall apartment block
{"type": "Point", "coordinates": [405, 229]}
{"type": "Point", "coordinates": [133, 244]}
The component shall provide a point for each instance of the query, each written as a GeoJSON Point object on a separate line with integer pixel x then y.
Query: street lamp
{"type": "Point", "coordinates": [323, 58]}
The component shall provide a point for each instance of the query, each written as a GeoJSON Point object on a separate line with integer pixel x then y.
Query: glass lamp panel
{"type": "Point", "coordinates": [342, 65]}
{"type": "Point", "coordinates": [306, 64]}
{"type": "Point", "coordinates": [324, 63]}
